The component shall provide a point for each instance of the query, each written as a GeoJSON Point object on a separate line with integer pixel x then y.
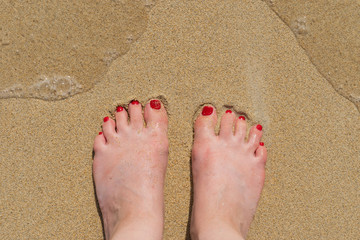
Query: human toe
{"type": "Point", "coordinates": [121, 117]}
{"type": "Point", "coordinates": [108, 127]}
{"type": "Point", "coordinates": [261, 153]}
{"type": "Point", "coordinates": [99, 142]}
{"type": "Point", "coordinates": [227, 124]}
{"type": "Point", "coordinates": [254, 137]}
{"type": "Point", "coordinates": [136, 116]}
{"type": "Point", "coordinates": [155, 115]}
{"type": "Point", "coordinates": [205, 122]}
{"type": "Point", "coordinates": [240, 128]}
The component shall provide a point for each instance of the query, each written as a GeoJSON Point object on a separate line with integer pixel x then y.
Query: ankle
{"type": "Point", "coordinates": [149, 227]}
{"type": "Point", "coordinates": [137, 230]}
{"type": "Point", "coordinates": [214, 231]}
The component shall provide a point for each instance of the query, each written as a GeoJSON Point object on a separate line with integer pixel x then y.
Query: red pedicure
{"type": "Point", "coordinates": [261, 144]}
{"type": "Point", "coordinates": [106, 119]}
{"type": "Point", "coordinates": [242, 118]}
{"type": "Point", "coordinates": [100, 133]}
{"type": "Point", "coordinates": [207, 110]}
{"type": "Point", "coordinates": [135, 102]}
{"type": "Point", "coordinates": [119, 108]}
{"type": "Point", "coordinates": [228, 111]}
{"type": "Point", "coordinates": [155, 104]}
{"type": "Point", "coordinates": [259, 127]}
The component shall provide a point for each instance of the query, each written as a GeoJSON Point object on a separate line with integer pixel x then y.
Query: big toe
{"type": "Point", "coordinates": [155, 115]}
{"type": "Point", "coordinates": [205, 122]}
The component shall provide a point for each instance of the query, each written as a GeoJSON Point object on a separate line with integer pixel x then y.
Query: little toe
{"type": "Point", "coordinates": [136, 116]}
{"type": "Point", "coordinates": [254, 137]}
{"type": "Point", "coordinates": [240, 128]}
{"type": "Point", "coordinates": [227, 124]}
{"type": "Point", "coordinates": [155, 115]}
{"type": "Point", "coordinates": [108, 127]}
{"type": "Point", "coordinates": [121, 117]}
{"type": "Point", "coordinates": [261, 153]}
{"type": "Point", "coordinates": [205, 123]}
{"type": "Point", "coordinates": [99, 142]}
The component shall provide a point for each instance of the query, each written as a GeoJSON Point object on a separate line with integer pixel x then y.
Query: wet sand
{"type": "Point", "coordinates": [329, 33]}
{"type": "Point", "coordinates": [236, 54]}
{"type": "Point", "coordinates": [53, 50]}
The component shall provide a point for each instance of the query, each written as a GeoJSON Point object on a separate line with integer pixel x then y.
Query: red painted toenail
{"type": "Point", "coordinates": [106, 119]}
{"type": "Point", "coordinates": [119, 108]}
{"type": "Point", "coordinates": [135, 102]}
{"type": "Point", "coordinates": [207, 111]}
{"type": "Point", "coordinates": [155, 104]}
{"type": "Point", "coordinates": [242, 118]}
{"type": "Point", "coordinates": [261, 144]}
{"type": "Point", "coordinates": [228, 111]}
{"type": "Point", "coordinates": [259, 127]}
{"type": "Point", "coordinates": [100, 133]}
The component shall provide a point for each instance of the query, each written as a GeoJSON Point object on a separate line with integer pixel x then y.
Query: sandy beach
{"type": "Point", "coordinates": [243, 55]}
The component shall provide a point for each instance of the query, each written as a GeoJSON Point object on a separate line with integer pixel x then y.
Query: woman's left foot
{"type": "Point", "coordinates": [129, 171]}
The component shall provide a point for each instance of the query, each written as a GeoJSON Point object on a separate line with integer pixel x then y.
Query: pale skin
{"type": "Point", "coordinates": [129, 168]}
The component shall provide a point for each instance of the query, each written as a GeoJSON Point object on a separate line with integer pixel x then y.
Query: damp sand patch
{"type": "Point", "coordinates": [328, 31]}
{"type": "Point", "coordinates": [52, 50]}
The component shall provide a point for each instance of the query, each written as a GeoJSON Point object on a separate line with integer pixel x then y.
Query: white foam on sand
{"type": "Point", "coordinates": [48, 88]}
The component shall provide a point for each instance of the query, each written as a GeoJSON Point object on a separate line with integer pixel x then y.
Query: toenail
{"type": "Point", "coordinates": [106, 119]}
{"type": "Point", "coordinates": [155, 104]}
{"type": "Point", "coordinates": [242, 118]}
{"type": "Point", "coordinates": [207, 111]}
{"type": "Point", "coordinates": [119, 108]}
{"type": "Point", "coordinates": [100, 133]}
{"type": "Point", "coordinates": [135, 102]}
{"type": "Point", "coordinates": [261, 144]}
{"type": "Point", "coordinates": [228, 111]}
{"type": "Point", "coordinates": [259, 127]}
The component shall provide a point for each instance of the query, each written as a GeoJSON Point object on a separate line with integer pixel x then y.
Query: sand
{"type": "Point", "coordinates": [238, 54]}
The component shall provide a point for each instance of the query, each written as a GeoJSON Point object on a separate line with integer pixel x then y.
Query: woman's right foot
{"type": "Point", "coordinates": [228, 176]}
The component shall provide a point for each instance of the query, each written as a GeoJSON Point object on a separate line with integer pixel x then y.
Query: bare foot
{"type": "Point", "coordinates": [129, 171]}
{"type": "Point", "coordinates": [228, 176]}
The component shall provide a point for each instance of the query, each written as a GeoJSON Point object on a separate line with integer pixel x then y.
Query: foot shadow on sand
{"type": "Point", "coordinates": [96, 200]}
{"type": "Point", "coordinates": [187, 236]}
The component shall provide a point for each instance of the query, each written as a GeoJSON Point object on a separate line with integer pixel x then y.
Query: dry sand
{"type": "Point", "coordinates": [228, 53]}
